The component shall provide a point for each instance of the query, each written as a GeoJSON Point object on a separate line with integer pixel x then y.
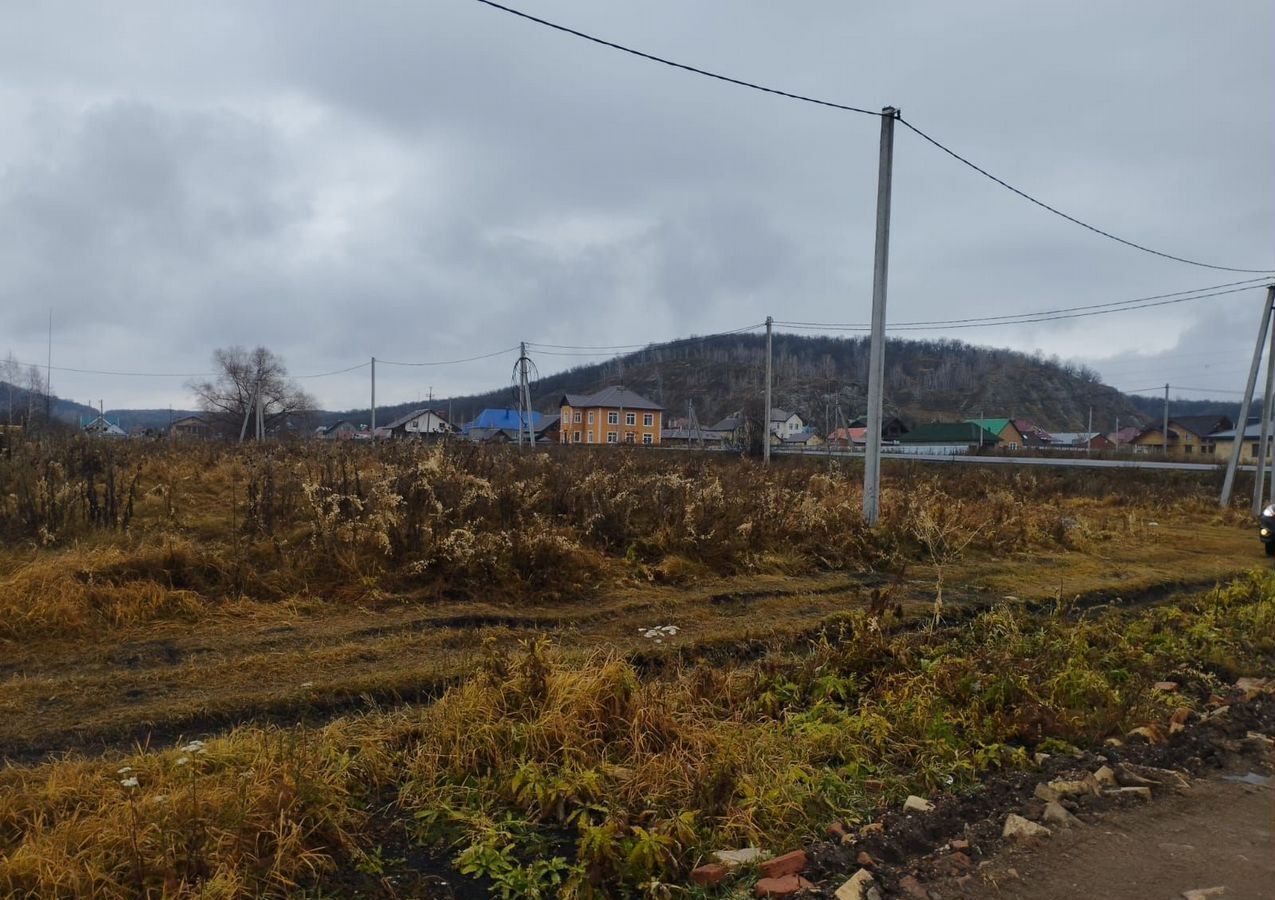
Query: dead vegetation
{"type": "Point", "coordinates": [186, 586]}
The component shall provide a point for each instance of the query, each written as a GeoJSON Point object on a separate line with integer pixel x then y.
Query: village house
{"type": "Point", "coordinates": [1004, 429]}
{"type": "Point", "coordinates": [1081, 441]}
{"type": "Point", "coordinates": [342, 430]}
{"type": "Point", "coordinates": [1034, 437]}
{"type": "Point", "coordinates": [190, 427]}
{"type": "Point", "coordinates": [613, 415]}
{"type": "Point", "coordinates": [1188, 435]}
{"type": "Point", "coordinates": [418, 423]}
{"type": "Point", "coordinates": [498, 426]}
{"type": "Point", "coordinates": [784, 424]}
{"type": "Point", "coordinates": [946, 439]}
{"type": "Point", "coordinates": [892, 427]}
{"type": "Point", "coordinates": [798, 441]}
{"type": "Point", "coordinates": [1125, 436]}
{"type": "Point", "coordinates": [100, 426]}
{"type": "Point", "coordinates": [1223, 442]}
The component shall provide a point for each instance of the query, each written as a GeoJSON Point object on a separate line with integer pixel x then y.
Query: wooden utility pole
{"type": "Point", "coordinates": [1089, 435]}
{"type": "Point", "coordinates": [876, 355]}
{"type": "Point", "coordinates": [1166, 419]}
{"type": "Point", "coordinates": [765, 416]}
{"type": "Point", "coordinates": [1228, 484]}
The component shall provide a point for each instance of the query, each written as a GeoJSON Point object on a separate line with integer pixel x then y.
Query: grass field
{"type": "Point", "coordinates": [408, 661]}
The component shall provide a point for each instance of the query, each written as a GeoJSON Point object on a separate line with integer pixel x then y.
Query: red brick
{"type": "Point", "coordinates": [788, 864]}
{"type": "Point", "coordinates": [786, 886]}
{"type": "Point", "coordinates": [709, 874]}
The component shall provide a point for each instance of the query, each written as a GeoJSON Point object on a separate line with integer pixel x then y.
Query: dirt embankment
{"type": "Point", "coordinates": [1206, 820]}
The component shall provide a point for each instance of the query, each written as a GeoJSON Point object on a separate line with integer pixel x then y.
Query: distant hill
{"type": "Point", "coordinates": [824, 379]}
{"type": "Point", "coordinates": [1153, 407]}
{"type": "Point", "coordinates": [72, 413]}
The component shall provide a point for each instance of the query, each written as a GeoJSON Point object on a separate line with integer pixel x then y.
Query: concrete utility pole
{"type": "Point", "coordinates": [48, 375]}
{"type": "Point", "coordinates": [1166, 419]}
{"type": "Point", "coordinates": [1265, 431]}
{"type": "Point", "coordinates": [876, 355]}
{"type": "Point", "coordinates": [247, 411]}
{"type": "Point", "coordinates": [525, 395]}
{"type": "Point", "coordinates": [261, 416]}
{"type": "Point", "coordinates": [765, 444]}
{"type": "Point", "coordinates": [1089, 435]}
{"type": "Point", "coordinates": [373, 397]}
{"type": "Point", "coordinates": [1228, 484]}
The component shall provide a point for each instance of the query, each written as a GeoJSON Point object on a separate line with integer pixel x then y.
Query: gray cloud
{"type": "Point", "coordinates": [435, 180]}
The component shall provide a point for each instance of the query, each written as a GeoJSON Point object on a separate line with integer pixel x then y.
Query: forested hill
{"type": "Point", "coordinates": [825, 381]}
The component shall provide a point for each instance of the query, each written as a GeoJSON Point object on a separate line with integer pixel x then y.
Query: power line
{"type": "Point", "coordinates": [1058, 212]}
{"type": "Point", "coordinates": [361, 365]}
{"type": "Point", "coordinates": [1099, 309]}
{"type": "Point", "coordinates": [448, 362]}
{"type": "Point", "coordinates": [1248, 282]}
{"type": "Point", "coordinates": [857, 109]}
{"type": "Point", "coordinates": [694, 337]}
{"type": "Point", "coordinates": [677, 65]}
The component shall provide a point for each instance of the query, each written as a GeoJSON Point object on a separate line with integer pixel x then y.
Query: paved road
{"type": "Point", "coordinates": [1079, 462]}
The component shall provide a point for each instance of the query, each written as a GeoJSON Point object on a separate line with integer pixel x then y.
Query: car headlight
{"type": "Point", "coordinates": [1269, 511]}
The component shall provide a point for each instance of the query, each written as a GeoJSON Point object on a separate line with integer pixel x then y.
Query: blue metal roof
{"type": "Point", "coordinates": [504, 418]}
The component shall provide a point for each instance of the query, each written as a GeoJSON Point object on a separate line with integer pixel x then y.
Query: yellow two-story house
{"type": "Point", "coordinates": [614, 415]}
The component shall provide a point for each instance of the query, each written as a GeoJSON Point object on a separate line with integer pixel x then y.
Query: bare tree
{"type": "Point", "coordinates": [10, 372]}
{"type": "Point", "coordinates": [229, 399]}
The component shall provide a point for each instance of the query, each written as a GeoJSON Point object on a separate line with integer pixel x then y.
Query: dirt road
{"type": "Point", "coordinates": [1220, 834]}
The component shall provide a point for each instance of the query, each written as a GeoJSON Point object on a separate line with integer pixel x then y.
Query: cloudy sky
{"type": "Point", "coordinates": [431, 180]}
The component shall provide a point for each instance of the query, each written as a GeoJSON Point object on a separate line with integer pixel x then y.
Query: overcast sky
{"type": "Point", "coordinates": [434, 179]}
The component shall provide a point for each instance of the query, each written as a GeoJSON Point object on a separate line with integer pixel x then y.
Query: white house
{"type": "Point", "coordinates": [785, 425]}
{"type": "Point", "coordinates": [419, 422]}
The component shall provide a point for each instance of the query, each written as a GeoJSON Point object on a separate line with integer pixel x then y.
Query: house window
{"type": "Point", "coordinates": [1013, 445]}
{"type": "Point", "coordinates": [590, 417]}
{"type": "Point", "coordinates": [630, 437]}
{"type": "Point", "coordinates": [576, 437]}
{"type": "Point", "coordinates": [588, 435]}
{"type": "Point", "coordinates": [576, 418]}
{"type": "Point", "coordinates": [648, 439]}
{"type": "Point", "coordinates": [630, 418]}
{"type": "Point", "coordinates": [648, 419]}
{"type": "Point", "coordinates": [613, 418]}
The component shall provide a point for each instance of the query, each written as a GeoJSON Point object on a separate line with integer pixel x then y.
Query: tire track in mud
{"type": "Point", "coordinates": [651, 663]}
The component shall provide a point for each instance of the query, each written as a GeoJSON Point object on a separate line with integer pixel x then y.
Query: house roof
{"type": "Point", "coordinates": [335, 425]}
{"type": "Point", "coordinates": [403, 420]}
{"type": "Point", "coordinates": [1032, 432]}
{"type": "Point", "coordinates": [1201, 425]}
{"type": "Point", "coordinates": [1075, 437]}
{"type": "Point", "coordinates": [504, 418]}
{"type": "Point", "coordinates": [949, 433]}
{"type": "Point", "coordinates": [995, 426]}
{"type": "Point", "coordinates": [1251, 430]}
{"type": "Point", "coordinates": [1124, 435]}
{"type": "Point", "coordinates": [730, 423]}
{"type": "Point", "coordinates": [614, 397]}
{"type": "Point", "coordinates": [779, 415]}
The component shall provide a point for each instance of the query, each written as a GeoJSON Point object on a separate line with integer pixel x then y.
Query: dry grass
{"type": "Point", "coordinates": [557, 778]}
{"type": "Point", "coordinates": [159, 590]}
